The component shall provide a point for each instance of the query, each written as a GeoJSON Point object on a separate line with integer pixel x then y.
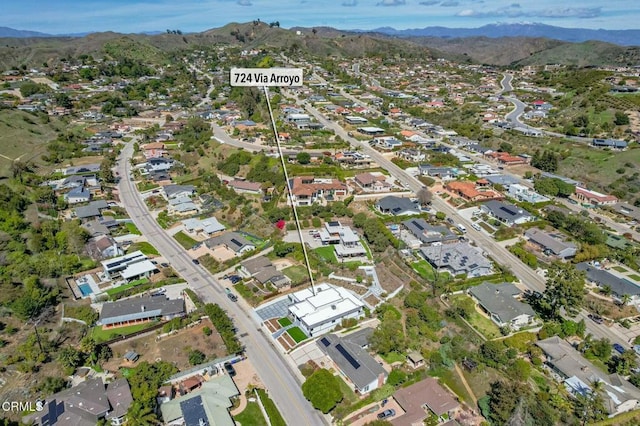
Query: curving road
{"type": "Point", "coordinates": [274, 372]}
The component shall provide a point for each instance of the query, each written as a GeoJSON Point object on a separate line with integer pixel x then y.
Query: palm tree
{"type": "Point", "coordinates": [140, 415]}
{"type": "Point", "coordinates": [624, 300]}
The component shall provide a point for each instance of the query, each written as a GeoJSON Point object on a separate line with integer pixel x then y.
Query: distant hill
{"type": "Point", "coordinates": [10, 32]}
{"type": "Point", "coordinates": [574, 35]}
{"type": "Point", "coordinates": [320, 41]}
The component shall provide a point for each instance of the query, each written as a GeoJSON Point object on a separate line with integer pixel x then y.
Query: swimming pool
{"type": "Point", "coordinates": [85, 289]}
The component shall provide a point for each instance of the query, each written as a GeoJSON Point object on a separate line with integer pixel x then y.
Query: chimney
{"type": "Point", "coordinates": [143, 308]}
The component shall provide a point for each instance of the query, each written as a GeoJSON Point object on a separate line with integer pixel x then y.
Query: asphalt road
{"type": "Point", "coordinates": [274, 372]}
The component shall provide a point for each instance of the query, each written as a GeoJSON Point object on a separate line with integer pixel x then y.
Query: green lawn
{"type": "Point", "coordinates": [297, 334]}
{"type": "Point", "coordinates": [297, 273]}
{"type": "Point", "coordinates": [113, 291]}
{"type": "Point", "coordinates": [620, 269]}
{"type": "Point", "coordinates": [326, 253]}
{"type": "Point", "coordinates": [132, 229]}
{"type": "Point", "coordinates": [349, 395]}
{"type": "Point", "coordinates": [424, 269]}
{"type": "Point", "coordinates": [481, 323]}
{"type": "Point", "coordinates": [284, 321]}
{"type": "Point", "coordinates": [272, 411]}
{"type": "Point", "coordinates": [146, 186]}
{"type": "Point", "coordinates": [184, 240]}
{"type": "Point", "coordinates": [392, 357]}
{"type": "Point", "coordinates": [144, 247]}
{"type": "Point", "coordinates": [103, 335]}
{"type": "Point", "coordinates": [635, 277]}
{"type": "Point", "coordinates": [366, 247]}
{"type": "Point", "coordinates": [251, 415]}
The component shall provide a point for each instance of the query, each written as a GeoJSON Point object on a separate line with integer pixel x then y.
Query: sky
{"type": "Point", "coordinates": [133, 16]}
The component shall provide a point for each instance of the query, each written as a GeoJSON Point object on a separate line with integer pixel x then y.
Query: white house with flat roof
{"type": "Point", "coordinates": [347, 242]}
{"type": "Point", "coordinates": [319, 313]}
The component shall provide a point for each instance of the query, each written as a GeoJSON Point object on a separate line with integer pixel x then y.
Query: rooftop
{"type": "Point", "coordinates": [499, 300]}
{"type": "Point", "coordinates": [328, 303]}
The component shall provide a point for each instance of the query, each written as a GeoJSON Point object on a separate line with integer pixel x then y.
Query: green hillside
{"type": "Point", "coordinates": [24, 136]}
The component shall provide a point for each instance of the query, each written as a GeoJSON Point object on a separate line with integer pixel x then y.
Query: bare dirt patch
{"type": "Point", "coordinates": [174, 349]}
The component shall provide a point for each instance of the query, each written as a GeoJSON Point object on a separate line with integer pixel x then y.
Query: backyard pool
{"type": "Point", "coordinates": [85, 289]}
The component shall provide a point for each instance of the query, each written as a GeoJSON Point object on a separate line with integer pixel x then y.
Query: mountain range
{"type": "Point", "coordinates": [523, 29]}
{"type": "Point", "coordinates": [574, 35]}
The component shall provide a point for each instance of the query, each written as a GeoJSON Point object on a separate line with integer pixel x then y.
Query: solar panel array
{"type": "Point", "coordinates": [193, 412]}
{"type": "Point", "coordinates": [354, 363]}
{"type": "Point", "coordinates": [324, 341]}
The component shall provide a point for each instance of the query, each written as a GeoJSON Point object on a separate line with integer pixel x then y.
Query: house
{"type": "Point", "coordinates": [500, 302]}
{"type": "Point", "coordinates": [619, 286]}
{"type": "Point", "coordinates": [362, 371]}
{"type": "Point", "coordinates": [113, 268]}
{"type": "Point", "coordinates": [372, 182]}
{"type": "Point", "coordinates": [158, 164]}
{"type": "Point", "coordinates": [421, 399]}
{"type": "Point", "coordinates": [93, 209]}
{"type": "Point", "coordinates": [352, 119]}
{"type": "Point", "coordinates": [397, 206]}
{"type": "Point", "coordinates": [208, 226]}
{"type": "Point", "coordinates": [578, 375]}
{"type": "Point", "coordinates": [458, 258]}
{"type": "Point", "coordinates": [176, 191]}
{"type": "Point", "coordinates": [307, 190]}
{"type": "Point", "coordinates": [78, 195]}
{"type": "Point", "coordinates": [85, 404]}
{"type": "Point", "coordinates": [103, 247]}
{"type": "Point", "coordinates": [506, 213]}
{"type": "Point", "coordinates": [522, 193]}
{"type": "Point", "coordinates": [232, 241]}
{"type": "Point", "coordinates": [138, 310]}
{"type": "Point", "coordinates": [346, 242]}
{"type": "Point", "coordinates": [411, 154]}
{"type": "Point", "coordinates": [353, 159]}
{"type": "Point", "coordinates": [153, 150]}
{"type": "Point", "coordinates": [371, 131]}
{"type": "Point", "coordinates": [318, 312]}
{"type": "Point", "coordinates": [502, 180]}
{"type": "Point", "coordinates": [427, 233]}
{"type": "Point", "coordinates": [609, 143]}
{"type": "Point", "coordinates": [506, 158]}
{"type": "Point", "coordinates": [209, 405]}
{"type": "Point", "coordinates": [386, 142]}
{"type": "Point", "coordinates": [627, 210]}
{"type": "Point", "coordinates": [468, 190]}
{"type": "Point", "coordinates": [444, 173]}
{"type": "Point", "coordinates": [555, 244]}
{"type": "Point", "coordinates": [583, 195]}
{"type": "Point", "coordinates": [87, 168]}
{"type": "Point", "coordinates": [246, 187]}
{"type": "Point", "coordinates": [263, 271]}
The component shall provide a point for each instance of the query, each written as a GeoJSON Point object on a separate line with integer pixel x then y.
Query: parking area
{"type": "Point", "coordinates": [370, 412]}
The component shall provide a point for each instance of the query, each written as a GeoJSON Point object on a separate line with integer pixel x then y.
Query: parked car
{"type": "Point", "coordinates": [230, 295]}
{"type": "Point", "coordinates": [618, 348]}
{"type": "Point", "coordinates": [159, 291]}
{"type": "Point", "coordinates": [596, 318]}
{"type": "Point", "coordinates": [387, 413]}
{"type": "Point", "coordinates": [229, 368]}
{"type": "Point", "coordinates": [195, 261]}
{"type": "Point", "coordinates": [234, 278]}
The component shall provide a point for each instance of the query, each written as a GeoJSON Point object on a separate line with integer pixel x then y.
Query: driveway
{"type": "Point", "coordinates": [370, 413]}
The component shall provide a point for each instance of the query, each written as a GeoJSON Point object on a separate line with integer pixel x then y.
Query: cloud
{"type": "Point", "coordinates": [350, 3]}
{"type": "Point", "coordinates": [244, 2]}
{"type": "Point", "coordinates": [450, 3]}
{"type": "Point", "coordinates": [391, 3]}
{"type": "Point", "coordinates": [429, 2]}
{"type": "Point", "coordinates": [516, 11]}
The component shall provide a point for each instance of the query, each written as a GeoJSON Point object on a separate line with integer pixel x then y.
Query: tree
{"type": "Point", "coordinates": [303, 157]}
{"type": "Point", "coordinates": [565, 289]}
{"type": "Point", "coordinates": [388, 336]}
{"type": "Point", "coordinates": [397, 377]}
{"type": "Point", "coordinates": [63, 100]}
{"type": "Point", "coordinates": [70, 358]}
{"type": "Point", "coordinates": [503, 399]}
{"type": "Point", "coordinates": [196, 357]}
{"type": "Point", "coordinates": [621, 119]}
{"type": "Point", "coordinates": [519, 370]}
{"type": "Point", "coordinates": [322, 389]}
{"type": "Point", "coordinates": [424, 196]}
{"type": "Point", "coordinates": [140, 415]}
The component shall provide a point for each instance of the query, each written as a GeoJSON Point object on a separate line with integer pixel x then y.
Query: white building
{"type": "Point", "coordinates": [129, 266]}
{"type": "Point", "coordinates": [320, 313]}
{"type": "Point", "coordinates": [347, 243]}
{"type": "Point", "coordinates": [522, 193]}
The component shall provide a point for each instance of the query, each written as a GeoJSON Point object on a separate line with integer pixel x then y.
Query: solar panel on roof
{"type": "Point", "coordinates": [354, 363]}
{"type": "Point", "coordinates": [417, 225]}
{"type": "Point", "coordinates": [193, 412]}
{"type": "Point", "coordinates": [236, 242]}
{"type": "Point", "coordinates": [324, 341]}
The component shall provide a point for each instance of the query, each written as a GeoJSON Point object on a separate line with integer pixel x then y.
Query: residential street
{"type": "Point", "coordinates": [274, 372]}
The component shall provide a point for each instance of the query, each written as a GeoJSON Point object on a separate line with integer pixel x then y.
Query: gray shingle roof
{"type": "Point", "coordinates": [140, 308]}
{"type": "Point", "coordinates": [233, 240]}
{"type": "Point", "coordinates": [619, 286]}
{"type": "Point", "coordinates": [428, 233]}
{"type": "Point", "coordinates": [506, 212]}
{"type": "Point", "coordinates": [356, 363]}
{"type": "Point", "coordinates": [396, 205]}
{"type": "Point", "coordinates": [459, 257]}
{"type": "Point", "coordinates": [548, 241]}
{"type": "Point", "coordinates": [498, 299]}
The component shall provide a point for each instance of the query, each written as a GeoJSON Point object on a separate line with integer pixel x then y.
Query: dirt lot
{"type": "Point", "coordinates": [174, 349]}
